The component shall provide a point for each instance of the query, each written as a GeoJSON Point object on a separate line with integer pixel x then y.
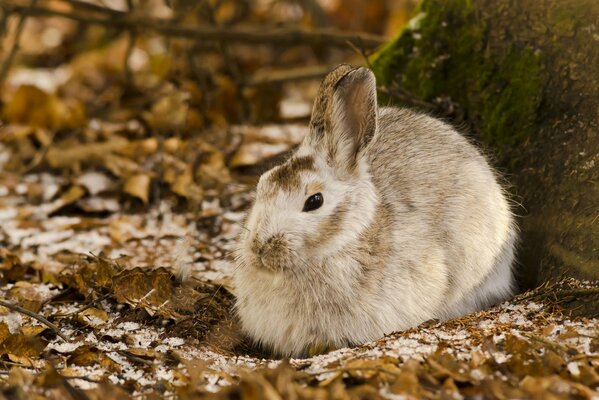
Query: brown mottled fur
{"type": "Point", "coordinates": [413, 226]}
{"type": "Point", "coordinates": [329, 227]}
{"type": "Point", "coordinates": [287, 176]}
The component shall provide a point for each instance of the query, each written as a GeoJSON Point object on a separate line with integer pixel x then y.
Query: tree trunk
{"type": "Point", "coordinates": [524, 75]}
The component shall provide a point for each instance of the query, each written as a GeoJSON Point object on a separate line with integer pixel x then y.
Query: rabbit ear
{"type": "Point", "coordinates": [344, 118]}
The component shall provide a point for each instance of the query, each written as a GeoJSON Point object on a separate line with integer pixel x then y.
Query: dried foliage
{"type": "Point", "coordinates": [131, 134]}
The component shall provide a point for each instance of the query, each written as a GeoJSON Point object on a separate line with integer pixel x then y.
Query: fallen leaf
{"type": "Point", "coordinates": [32, 106]}
{"type": "Point", "coordinates": [32, 331]}
{"type": "Point", "coordinates": [93, 317]}
{"type": "Point", "coordinates": [138, 186]}
{"type": "Point", "coordinates": [68, 198]}
{"type": "Point", "coordinates": [61, 157]}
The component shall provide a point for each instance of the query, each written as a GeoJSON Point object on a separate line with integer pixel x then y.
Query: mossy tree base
{"type": "Point", "coordinates": [525, 77]}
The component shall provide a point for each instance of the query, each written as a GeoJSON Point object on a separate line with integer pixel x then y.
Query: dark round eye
{"type": "Point", "coordinates": [314, 202]}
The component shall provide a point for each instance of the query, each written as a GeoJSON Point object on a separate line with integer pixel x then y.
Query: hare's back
{"type": "Point", "coordinates": [444, 193]}
{"type": "Point", "coordinates": [424, 161]}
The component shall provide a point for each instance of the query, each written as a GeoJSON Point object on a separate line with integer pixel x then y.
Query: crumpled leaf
{"type": "Point", "coordinates": [213, 170]}
{"type": "Point", "coordinates": [27, 295]}
{"type": "Point", "coordinates": [4, 332]}
{"type": "Point", "coordinates": [22, 349]}
{"type": "Point", "coordinates": [93, 317]}
{"type": "Point", "coordinates": [11, 267]}
{"type": "Point", "coordinates": [88, 355]}
{"type": "Point", "coordinates": [154, 291]}
{"type": "Point", "coordinates": [72, 195]}
{"type": "Point", "coordinates": [138, 186]}
{"type": "Point", "coordinates": [169, 112]}
{"type": "Point", "coordinates": [61, 157]}
{"type": "Point", "coordinates": [33, 330]}
{"type": "Point", "coordinates": [32, 106]}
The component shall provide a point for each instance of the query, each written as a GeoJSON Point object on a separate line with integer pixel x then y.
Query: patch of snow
{"type": "Point", "coordinates": [94, 182]}
{"type": "Point", "coordinates": [64, 347]}
{"type": "Point", "coordinates": [46, 238]}
{"type": "Point", "coordinates": [128, 326]}
{"type": "Point", "coordinates": [144, 338]}
{"type": "Point", "coordinates": [13, 321]}
{"type": "Point", "coordinates": [174, 341]}
{"type": "Point", "coordinates": [573, 368]}
{"type": "Point", "coordinates": [500, 357]}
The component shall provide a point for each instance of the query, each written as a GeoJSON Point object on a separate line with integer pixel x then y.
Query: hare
{"type": "Point", "coordinates": [382, 219]}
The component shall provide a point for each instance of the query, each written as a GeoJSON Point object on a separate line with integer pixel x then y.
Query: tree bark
{"type": "Point", "coordinates": [524, 75]}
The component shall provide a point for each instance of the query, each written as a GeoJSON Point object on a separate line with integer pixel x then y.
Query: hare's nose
{"type": "Point", "coordinates": [271, 244]}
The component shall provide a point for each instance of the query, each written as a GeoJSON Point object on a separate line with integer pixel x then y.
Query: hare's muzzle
{"type": "Point", "coordinates": [273, 253]}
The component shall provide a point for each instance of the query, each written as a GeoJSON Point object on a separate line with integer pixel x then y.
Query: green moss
{"type": "Point", "coordinates": [510, 97]}
{"type": "Point", "coordinates": [445, 54]}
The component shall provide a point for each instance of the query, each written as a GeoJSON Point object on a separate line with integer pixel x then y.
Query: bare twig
{"type": "Point", "coordinates": [85, 6]}
{"type": "Point", "coordinates": [15, 46]}
{"type": "Point", "coordinates": [135, 358]}
{"type": "Point", "coordinates": [130, 47]}
{"type": "Point", "coordinates": [262, 35]}
{"type": "Point", "coordinates": [33, 315]}
{"type": "Point", "coordinates": [288, 75]}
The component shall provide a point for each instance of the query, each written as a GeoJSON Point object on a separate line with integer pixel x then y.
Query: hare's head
{"type": "Point", "coordinates": [321, 198]}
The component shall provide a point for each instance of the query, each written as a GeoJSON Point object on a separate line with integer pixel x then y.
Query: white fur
{"type": "Point", "coordinates": [452, 231]}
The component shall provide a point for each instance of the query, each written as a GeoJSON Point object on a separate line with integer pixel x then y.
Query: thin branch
{"type": "Point", "coordinates": [38, 317]}
{"type": "Point", "coordinates": [130, 47]}
{"type": "Point", "coordinates": [15, 46]}
{"type": "Point", "coordinates": [295, 74]}
{"type": "Point", "coordinates": [84, 5]}
{"type": "Point", "coordinates": [262, 35]}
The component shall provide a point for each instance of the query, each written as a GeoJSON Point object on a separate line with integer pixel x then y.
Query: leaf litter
{"type": "Point", "coordinates": [133, 325]}
{"type": "Point", "coordinates": [120, 205]}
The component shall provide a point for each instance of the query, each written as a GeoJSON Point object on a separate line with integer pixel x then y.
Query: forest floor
{"type": "Point", "coordinates": [127, 160]}
{"type": "Point", "coordinates": [119, 324]}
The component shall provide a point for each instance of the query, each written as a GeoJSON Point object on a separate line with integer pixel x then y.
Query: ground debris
{"type": "Point", "coordinates": [124, 176]}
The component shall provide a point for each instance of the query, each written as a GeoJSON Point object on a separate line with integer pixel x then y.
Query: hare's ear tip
{"type": "Point", "coordinates": [363, 73]}
{"type": "Point", "coordinates": [361, 76]}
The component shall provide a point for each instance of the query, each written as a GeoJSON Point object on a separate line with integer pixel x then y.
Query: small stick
{"type": "Point", "coordinates": [250, 35]}
{"type": "Point", "coordinates": [38, 317]}
{"type": "Point", "coordinates": [15, 46]}
{"type": "Point", "coordinates": [289, 75]}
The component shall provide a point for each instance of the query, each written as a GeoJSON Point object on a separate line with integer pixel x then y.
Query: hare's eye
{"type": "Point", "coordinates": [314, 202]}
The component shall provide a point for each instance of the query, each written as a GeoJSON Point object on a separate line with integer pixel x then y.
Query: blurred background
{"type": "Point", "coordinates": [110, 84]}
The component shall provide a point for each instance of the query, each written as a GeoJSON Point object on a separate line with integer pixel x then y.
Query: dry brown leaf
{"type": "Point", "coordinates": [27, 295]}
{"type": "Point", "coordinates": [184, 186]}
{"type": "Point", "coordinates": [4, 332]}
{"type": "Point", "coordinates": [32, 106]}
{"type": "Point", "coordinates": [88, 355]}
{"type": "Point", "coordinates": [20, 347]}
{"type": "Point", "coordinates": [11, 266]}
{"type": "Point", "coordinates": [213, 170]}
{"type": "Point", "coordinates": [106, 390]}
{"type": "Point", "coordinates": [69, 197]}
{"type": "Point", "coordinates": [589, 376]}
{"type": "Point", "coordinates": [138, 186]}
{"type": "Point", "coordinates": [62, 157]}
{"type": "Point", "coordinates": [31, 331]}
{"type": "Point", "coordinates": [169, 112]}
{"type": "Point", "coordinates": [121, 166]}
{"type": "Point", "coordinates": [253, 153]}
{"type": "Point", "coordinates": [93, 317]}
{"type": "Point", "coordinates": [153, 291]}
{"type": "Point", "coordinates": [141, 352]}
